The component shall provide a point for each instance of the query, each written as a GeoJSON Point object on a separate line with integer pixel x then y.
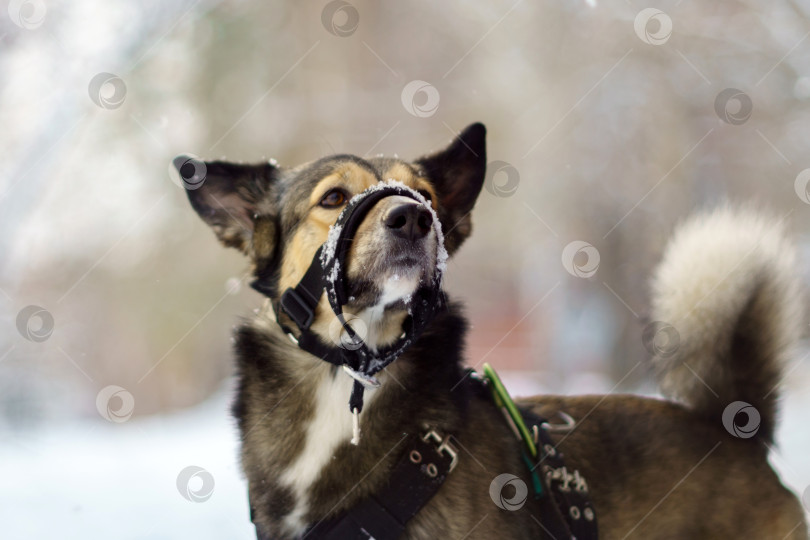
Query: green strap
{"type": "Point", "coordinates": [504, 401]}
{"type": "Point", "coordinates": [537, 484]}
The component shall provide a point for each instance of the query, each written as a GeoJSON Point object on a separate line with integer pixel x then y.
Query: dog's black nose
{"type": "Point", "coordinates": [409, 221]}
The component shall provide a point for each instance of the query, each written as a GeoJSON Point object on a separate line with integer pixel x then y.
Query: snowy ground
{"type": "Point", "coordinates": [102, 480]}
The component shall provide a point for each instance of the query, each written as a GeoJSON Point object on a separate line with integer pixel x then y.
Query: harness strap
{"type": "Point", "coordinates": [565, 508]}
{"type": "Point", "coordinates": [562, 498]}
{"type": "Point", "coordinates": [413, 481]}
{"type": "Point", "coordinates": [566, 503]}
{"type": "Point", "coordinates": [299, 302]}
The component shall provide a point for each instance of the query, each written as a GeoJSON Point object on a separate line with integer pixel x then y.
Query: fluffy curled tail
{"type": "Point", "coordinates": [727, 293]}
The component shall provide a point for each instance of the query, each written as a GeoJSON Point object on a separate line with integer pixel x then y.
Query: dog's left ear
{"type": "Point", "coordinates": [235, 200]}
{"type": "Point", "coordinates": [457, 173]}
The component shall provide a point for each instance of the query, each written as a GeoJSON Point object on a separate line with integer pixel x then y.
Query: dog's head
{"type": "Point", "coordinates": [280, 216]}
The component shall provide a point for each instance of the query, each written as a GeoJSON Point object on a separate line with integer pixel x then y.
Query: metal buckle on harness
{"type": "Point", "coordinates": [568, 425]}
{"type": "Point", "coordinates": [443, 445]}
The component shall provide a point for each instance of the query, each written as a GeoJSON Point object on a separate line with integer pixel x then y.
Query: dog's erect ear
{"type": "Point", "coordinates": [233, 199]}
{"type": "Point", "coordinates": [457, 173]}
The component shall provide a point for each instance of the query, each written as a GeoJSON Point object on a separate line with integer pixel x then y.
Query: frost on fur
{"type": "Point", "coordinates": [729, 285]}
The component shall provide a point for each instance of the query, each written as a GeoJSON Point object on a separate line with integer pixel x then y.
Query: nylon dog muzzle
{"type": "Point", "coordinates": [327, 271]}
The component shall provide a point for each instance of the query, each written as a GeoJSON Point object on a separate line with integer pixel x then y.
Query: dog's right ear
{"type": "Point", "coordinates": [234, 199]}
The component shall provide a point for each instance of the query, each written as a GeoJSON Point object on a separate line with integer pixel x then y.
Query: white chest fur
{"type": "Point", "coordinates": [330, 425]}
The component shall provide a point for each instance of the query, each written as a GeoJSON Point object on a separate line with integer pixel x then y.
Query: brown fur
{"type": "Point", "coordinates": [657, 471]}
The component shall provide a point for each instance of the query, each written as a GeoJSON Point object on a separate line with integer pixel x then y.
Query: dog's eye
{"type": "Point", "coordinates": [426, 194]}
{"type": "Point", "coordinates": [334, 198]}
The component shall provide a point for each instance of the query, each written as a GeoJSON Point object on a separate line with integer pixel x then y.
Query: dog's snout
{"type": "Point", "coordinates": [409, 221]}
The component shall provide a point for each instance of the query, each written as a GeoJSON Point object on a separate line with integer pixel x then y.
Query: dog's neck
{"type": "Point", "coordinates": [304, 410]}
{"type": "Point", "coordinates": [329, 428]}
{"type": "Point", "coordinates": [323, 422]}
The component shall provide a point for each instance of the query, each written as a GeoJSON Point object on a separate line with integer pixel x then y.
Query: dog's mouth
{"type": "Point", "coordinates": [419, 264]}
{"type": "Point", "coordinates": [407, 263]}
{"type": "Point", "coordinates": [392, 280]}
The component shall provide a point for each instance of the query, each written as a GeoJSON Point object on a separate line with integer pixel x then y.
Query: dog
{"type": "Point", "coordinates": [665, 469]}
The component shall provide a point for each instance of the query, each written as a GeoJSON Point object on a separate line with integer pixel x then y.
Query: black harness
{"type": "Point", "coordinates": [565, 506]}
{"type": "Point", "coordinates": [561, 498]}
{"type": "Point", "coordinates": [428, 457]}
{"type": "Point", "coordinates": [423, 467]}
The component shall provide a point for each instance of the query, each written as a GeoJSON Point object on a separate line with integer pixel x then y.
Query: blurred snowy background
{"type": "Point", "coordinates": [608, 122]}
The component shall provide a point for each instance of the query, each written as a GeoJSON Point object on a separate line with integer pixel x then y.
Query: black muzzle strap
{"type": "Point", "coordinates": [299, 303]}
{"type": "Point", "coordinates": [327, 271]}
